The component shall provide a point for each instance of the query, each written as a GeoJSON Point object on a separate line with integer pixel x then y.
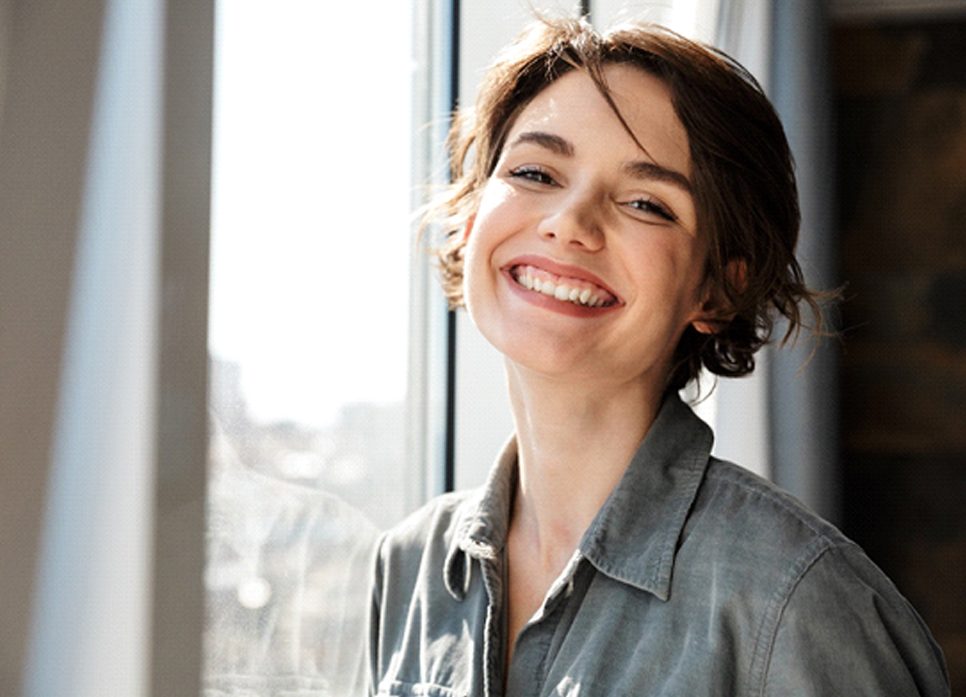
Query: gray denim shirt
{"type": "Point", "coordinates": [695, 578]}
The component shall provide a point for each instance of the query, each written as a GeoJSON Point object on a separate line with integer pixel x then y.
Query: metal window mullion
{"type": "Point", "coordinates": [182, 438]}
{"type": "Point", "coordinates": [453, 86]}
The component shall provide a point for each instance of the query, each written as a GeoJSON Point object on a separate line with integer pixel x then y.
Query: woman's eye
{"type": "Point", "coordinates": [534, 174]}
{"type": "Point", "coordinates": [651, 207]}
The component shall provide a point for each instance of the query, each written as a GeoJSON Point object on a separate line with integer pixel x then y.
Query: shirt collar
{"type": "Point", "coordinates": [634, 536]}
{"type": "Point", "coordinates": [482, 524]}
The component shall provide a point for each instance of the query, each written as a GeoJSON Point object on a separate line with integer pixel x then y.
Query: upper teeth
{"type": "Point", "coordinates": [570, 290]}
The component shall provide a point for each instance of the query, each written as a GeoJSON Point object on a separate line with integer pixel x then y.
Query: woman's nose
{"type": "Point", "coordinates": [575, 221]}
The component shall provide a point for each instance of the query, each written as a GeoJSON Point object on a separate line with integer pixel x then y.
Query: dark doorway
{"type": "Point", "coordinates": [901, 160]}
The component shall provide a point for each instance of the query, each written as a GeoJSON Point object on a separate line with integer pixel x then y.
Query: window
{"type": "Point", "coordinates": [312, 341]}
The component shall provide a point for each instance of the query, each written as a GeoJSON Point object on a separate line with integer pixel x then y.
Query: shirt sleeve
{"type": "Point", "coordinates": [846, 630]}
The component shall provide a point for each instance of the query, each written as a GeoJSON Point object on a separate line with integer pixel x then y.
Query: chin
{"type": "Point", "coordinates": [549, 356]}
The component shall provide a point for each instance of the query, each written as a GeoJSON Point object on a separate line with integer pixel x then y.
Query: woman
{"type": "Point", "coordinates": [624, 213]}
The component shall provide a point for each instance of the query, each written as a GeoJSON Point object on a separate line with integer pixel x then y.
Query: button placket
{"type": "Point", "coordinates": [492, 628]}
{"type": "Point", "coordinates": [540, 638]}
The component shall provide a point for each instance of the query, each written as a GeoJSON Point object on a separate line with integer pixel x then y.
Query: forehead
{"type": "Point", "coordinates": [573, 107]}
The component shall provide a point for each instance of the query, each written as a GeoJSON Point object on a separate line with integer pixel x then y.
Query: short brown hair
{"type": "Point", "coordinates": [744, 183]}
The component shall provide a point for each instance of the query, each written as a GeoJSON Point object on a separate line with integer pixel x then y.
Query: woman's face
{"type": "Point", "coordinates": [583, 257]}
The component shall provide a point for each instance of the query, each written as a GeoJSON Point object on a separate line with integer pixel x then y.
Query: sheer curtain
{"type": "Point", "coordinates": [803, 401]}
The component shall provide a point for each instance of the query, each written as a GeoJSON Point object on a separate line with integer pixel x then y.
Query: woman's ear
{"type": "Point", "coordinates": [706, 326]}
{"type": "Point", "coordinates": [718, 308]}
{"type": "Point", "coordinates": [469, 227]}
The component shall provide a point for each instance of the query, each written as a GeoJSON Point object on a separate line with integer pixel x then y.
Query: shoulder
{"type": "Point", "coordinates": [831, 622]}
{"type": "Point", "coordinates": [739, 518]}
{"type": "Point", "coordinates": [757, 500]}
{"type": "Point", "coordinates": [422, 540]}
{"type": "Point", "coordinates": [436, 519]}
{"type": "Point", "coordinates": [843, 624]}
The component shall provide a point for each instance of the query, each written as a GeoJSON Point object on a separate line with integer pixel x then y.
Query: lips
{"type": "Point", "coordinates": [561, 282]}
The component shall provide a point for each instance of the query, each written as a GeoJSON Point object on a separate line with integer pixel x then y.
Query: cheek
{"type": "Point", "coordinates": [669, 271]}
{"type": "Point", "coordinates": [474, 253]}
{"type": "Point", "coordinates": [475, 268]}
{"type": "Point", "coordinates": [488, 230]}
{"type": "Point", "coordinates": [496, 204]}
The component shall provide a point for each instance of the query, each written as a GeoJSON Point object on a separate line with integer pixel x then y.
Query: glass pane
{"type": "Point", "coordinates": [309, 334]}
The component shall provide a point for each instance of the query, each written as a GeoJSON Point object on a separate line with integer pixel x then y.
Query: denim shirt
{"type": "Point", "coordinates": [695, 578]}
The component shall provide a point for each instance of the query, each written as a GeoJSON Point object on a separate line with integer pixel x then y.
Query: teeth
{"type": "Point", "coordinates": [580, 296]}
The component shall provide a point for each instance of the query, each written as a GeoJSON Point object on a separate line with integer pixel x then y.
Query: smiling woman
{"type": "Point", "coordinates": [582, 210]}
{"type": "Point", "coordinates": [744, 198]}
{"type": "Point", "coordinates": [624, 213]}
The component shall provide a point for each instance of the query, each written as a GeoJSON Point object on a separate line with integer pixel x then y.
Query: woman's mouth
{"type": "Point", "coordinates": [573, 290]}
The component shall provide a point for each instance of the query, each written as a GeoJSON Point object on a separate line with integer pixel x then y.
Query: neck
{"type": "Point", "coordinates": [574, 442]}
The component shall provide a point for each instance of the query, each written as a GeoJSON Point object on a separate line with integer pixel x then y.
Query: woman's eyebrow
{"type": "Point", "coordinates": [643, 169]}
{"type": "Point", "coordinates": [640, 169]}
{"type": "Point", "coordinates": [549, 141]}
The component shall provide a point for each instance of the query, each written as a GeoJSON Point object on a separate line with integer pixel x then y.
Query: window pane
{"type": "Point", "coordinates": [309, 334]}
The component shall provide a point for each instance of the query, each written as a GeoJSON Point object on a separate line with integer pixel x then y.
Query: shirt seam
{"type": "Point", "coordinates": [767, 637]}
{"type": "Point", "coordinates": [741, 480]}
{"type": "Point", "coordinates": [542, 671]}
